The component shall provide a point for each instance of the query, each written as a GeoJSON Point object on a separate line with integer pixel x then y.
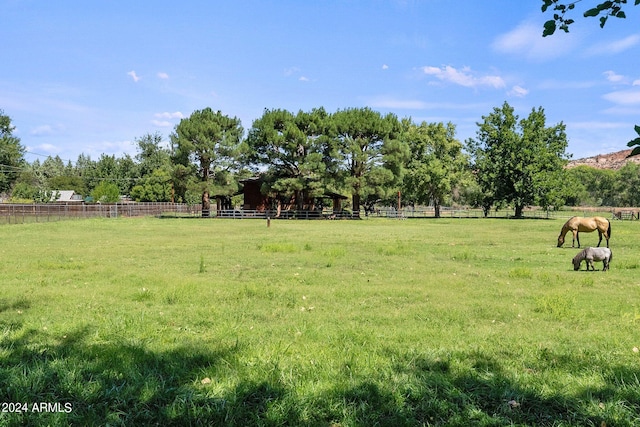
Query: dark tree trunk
{"type": "Point", "coordinates": [219, 205]}
{"type": "Point", "coordinates": [519, 211]}
{"type": "Point", "coordinates": [206, 204]}
{"type": "Point", "coordinates": [356, 204]}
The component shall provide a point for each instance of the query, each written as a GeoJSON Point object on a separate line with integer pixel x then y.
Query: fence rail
{"type": "Point", "coordinates": [21, 213]}
{"type": "Point", "coordinates": [448, 212]}
{"type": "Point", "coordinates": [46, 212]}
{"type": "Point", "coordinates": [288, 214]}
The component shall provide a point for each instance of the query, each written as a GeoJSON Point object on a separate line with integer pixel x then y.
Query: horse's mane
{"type": "Point", "coordinates": [566, 227]}
{"type": "Point", "coordinates": [582, 254]}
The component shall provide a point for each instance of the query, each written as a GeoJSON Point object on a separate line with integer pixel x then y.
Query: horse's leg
{"type": "Point", "coordinates": [576, 236]}
{"type": "Point", "coordinates": [599, 237]}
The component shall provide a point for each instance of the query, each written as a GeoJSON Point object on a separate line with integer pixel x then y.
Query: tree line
{"type": "Point", "coordinates": [357, 152]}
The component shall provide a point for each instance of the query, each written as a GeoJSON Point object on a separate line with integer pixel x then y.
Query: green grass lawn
{"type": "Point", "coordinates": [328, 323]}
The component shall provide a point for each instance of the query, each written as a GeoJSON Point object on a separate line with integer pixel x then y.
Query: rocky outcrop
{"type": "Point", "coordinates": [612, 161]}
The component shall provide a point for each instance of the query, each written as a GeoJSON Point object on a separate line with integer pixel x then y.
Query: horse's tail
{"type": "Point", "coordinates": [609, 229]}
{"type": "Point", "coordinates": [610, 255]}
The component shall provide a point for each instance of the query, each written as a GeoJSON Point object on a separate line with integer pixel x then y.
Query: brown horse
{"type": "Point", "coordinates": [577, 224]}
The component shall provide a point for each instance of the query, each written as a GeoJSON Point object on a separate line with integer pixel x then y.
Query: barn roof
{"type": "Point", "coordinates": [65, 196]}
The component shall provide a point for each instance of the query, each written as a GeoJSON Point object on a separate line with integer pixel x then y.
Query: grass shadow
{"type": "Point", "coordinates": [18, 304]}
{"type": "Point", "coordinates": [433, 392]}
{"type": "Point", "coordinates": [124, 383]}
{"type": "Point", "coordinates": [121, 384]}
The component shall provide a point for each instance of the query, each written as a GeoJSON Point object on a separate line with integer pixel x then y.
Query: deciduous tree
{"type": "Point", "coordinates": [519, 162]}
{"type": "Point", "coordinates": [11, 154]}
{"type": "Point", "coordinates": [151, 154]}
{"type": "Point", "coordinates": [627, 184]}
{"type": "Point", "coordinates": [436, 166]}
{"type": "Point", "coordinates": [153, 187]}
{"type": "Point", "coordinates": [154, 182]}
{"type": "Point", "coordinates": [106, 192]}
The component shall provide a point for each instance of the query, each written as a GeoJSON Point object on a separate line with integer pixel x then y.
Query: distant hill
{"type": "Point", "coordinates": [612, 161]}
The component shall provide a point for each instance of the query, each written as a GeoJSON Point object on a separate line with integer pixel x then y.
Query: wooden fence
{"type": "Point", "coordinates": [449, 212]}
{"type": "Point", "coordinates": [21, 213]}
{"type": "Point", "coordinates": [46, 212]}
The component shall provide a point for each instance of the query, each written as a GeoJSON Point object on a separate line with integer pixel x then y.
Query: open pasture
{"type": "Point", "coordinates": [374, 322]}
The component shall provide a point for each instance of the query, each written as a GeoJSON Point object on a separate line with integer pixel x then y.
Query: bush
{"type": "Point", "coordinates": [106, 192]}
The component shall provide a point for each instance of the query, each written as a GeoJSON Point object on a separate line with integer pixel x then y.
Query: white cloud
{"type": "Point", "coordinates": [518, 91]}
{"type": "Point", "coordinates": [526, 40]}
{"type": "Point", "coordinates": [624, 97]}
{"type": "Point", "coordinates": [295, 71]}
{"type": "Point", "coordinates": [133, 75]}
{"type": "Point", "coordinates": [464, 77]}
{"type": "Point", "coordinates": [614, 77]}
{"type": "Point", "coordinates": [595, 125]}
{"type": "Point", "coordinates": [636, 83]}
{"type": "Point", "coordinates": [616, 46]}
{"type": "Point", "coordinates": [163, 76]}
{"type": "Point", "coordinates": [167, 115]}
{"type": "Point", "coordinates": [47, 148]}
{"type": "Point", "coordinates": [623, 111]}
{"type": "Point", "coordinates": [45, 130]}
{"type": "Point", "coordinates": [290, 71]}
{"type": "Point", "coordinates": [415, 104]}
{"type": "Point", "coordinates": [109, 147]}
{"type": "Point", "coordinates": [624, 44]}
{"type": "Point", "coordinates": [385, 67]}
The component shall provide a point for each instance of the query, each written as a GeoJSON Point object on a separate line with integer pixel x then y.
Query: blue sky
{"type": "Point", "coordinates": [92, 76]}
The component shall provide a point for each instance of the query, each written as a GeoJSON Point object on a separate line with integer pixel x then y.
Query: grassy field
{"type": "Point", "coordinates": [330, 323]}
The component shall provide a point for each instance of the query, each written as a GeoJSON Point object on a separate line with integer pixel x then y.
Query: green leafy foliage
{"type": "Point", "coordinates": [635, 142]}
{"type": "Point", "coordinates": [151, 154]}
{"type": "Point", "coordinates": [436, 166]}
{"type": "Point", "coordinates": [519, 162]}
{"type": "Point", "coordinates": [603, 187]}
{"type": "Point", "coordinates": [296, 151]}
{"type": "Point", "coordinates": [210, 141]}
{"type": "Point", "coordinates": [371, 146]}
{"type": "Point", "coordinates": [306, 155]}
{"type": "Point", "coordinates": [106, 192]}
{"type": "Point", "coordinates": [11, 154]}
{"type": "Point", "coordinates": [604, 10]}
{"type": "Point", "coordinates": [155, 187]}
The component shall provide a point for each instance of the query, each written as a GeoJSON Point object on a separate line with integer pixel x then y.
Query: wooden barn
{"type": "Point", "coordinates": [255, 200]}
